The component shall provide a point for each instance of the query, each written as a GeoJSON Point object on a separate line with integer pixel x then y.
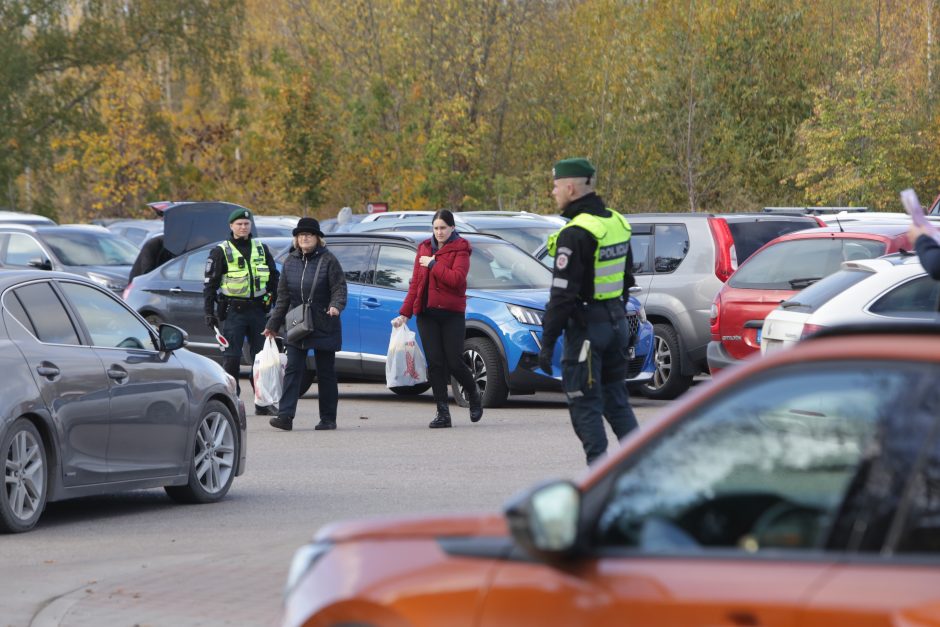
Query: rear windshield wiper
{"type": "Point", "coordinates": [799, 284]}
{"type": "Point", "coordinates": [791, 303]}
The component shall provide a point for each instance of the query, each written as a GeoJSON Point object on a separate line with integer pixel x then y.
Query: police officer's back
{"type": "Point", "coordinates": [240, 283]}
{"type": "Point", "coordinates": [590, 279]}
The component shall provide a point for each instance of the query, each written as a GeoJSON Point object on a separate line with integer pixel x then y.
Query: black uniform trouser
{"type": "Point", "coordinates": [442, 333]}
{"type": "Point", "coordinates": [594, 381]}
{"type": "Point", "coordinates": [243, 320]}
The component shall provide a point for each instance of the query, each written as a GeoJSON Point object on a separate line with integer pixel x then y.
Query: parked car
{"type": "Point", "coordinates": [88, 251]}
{"type": "Point", "coordinates": [506, 295]}
{"type": "Point", "coordinates": [173, 293]}
{"type": "Point", "coordinates": [96, 401]}
{"type": "Point", "coordinates": [779, 270]}
{"type": "Point", "coordinates": [894, 287]}
{"type": "Point", "coordinates": [19, 217]}
{"type": "Point", "coordinates": [136, 231]}
{"type": "Point", "coordinates": [795, 490]}
{"type": "Point", "coordinates": [681, 260]}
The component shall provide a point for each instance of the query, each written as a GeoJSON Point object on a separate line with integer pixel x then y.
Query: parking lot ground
{"type": "Point", "coordinates": [139, 559]}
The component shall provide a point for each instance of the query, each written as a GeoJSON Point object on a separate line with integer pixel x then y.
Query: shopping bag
{"type": "Point", "coordinates": [405, 365]}
{"type": "Point", "coordinates": [268, 373]}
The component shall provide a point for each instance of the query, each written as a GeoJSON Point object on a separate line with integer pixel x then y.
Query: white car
{"type": "Point", "coordinates": [888, 288]}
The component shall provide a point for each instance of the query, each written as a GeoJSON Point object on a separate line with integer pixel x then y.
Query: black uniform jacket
{"type": "Point", "coordinates": [573, 280]}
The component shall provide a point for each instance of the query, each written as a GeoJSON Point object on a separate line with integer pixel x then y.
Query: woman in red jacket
{"type": "Point", "coordinates": [438, 296]}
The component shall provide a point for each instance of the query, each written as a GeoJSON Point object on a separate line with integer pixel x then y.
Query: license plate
{"type": "Point", "coordinates": [758, 336]}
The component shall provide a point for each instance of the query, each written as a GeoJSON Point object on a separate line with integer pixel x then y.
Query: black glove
{"type": "Point", "coordinates": [211, 321]}
{"type": "Point", "coordinates": [545, 358]}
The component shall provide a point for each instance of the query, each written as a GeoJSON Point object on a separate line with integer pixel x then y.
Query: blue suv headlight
{"type": "Point", "coordinates": [526, 315]}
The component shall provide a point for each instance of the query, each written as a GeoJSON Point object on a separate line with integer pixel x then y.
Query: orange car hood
{"type": "Point", "coordinates": [414, 527]}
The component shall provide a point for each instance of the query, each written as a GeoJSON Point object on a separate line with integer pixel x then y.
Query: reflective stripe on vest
{"type": "Point", "coordinates": [244, 280]}
{"type": "Point", "coordinates": [610, 258]}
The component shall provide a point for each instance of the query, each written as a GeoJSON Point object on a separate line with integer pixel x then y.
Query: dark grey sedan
{"type": "Point", "coordinates": [95, 400]}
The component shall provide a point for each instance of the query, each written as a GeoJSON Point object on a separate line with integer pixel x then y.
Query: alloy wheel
{"type": "Point", "coordinates": [214, 460]}
{"type": "Point", "coordinates": [663, 358]}
{"type": "Point", "coordinates": [24, 475]}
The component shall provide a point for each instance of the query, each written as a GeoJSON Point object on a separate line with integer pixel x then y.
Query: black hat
{"type": "Point", "coordinates": [308, 225]}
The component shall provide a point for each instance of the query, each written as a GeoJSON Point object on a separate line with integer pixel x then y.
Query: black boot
{"type": "Point", "coordinates": [325, 425]}
{"type": "Point", "coordinates": [265, 410]}
{"type": "Point", "coordinates": [475, 400]}
{"type": "Point", "coordinates": [282, 422]}
{"type": "Point", "coordinates": [442, 420]}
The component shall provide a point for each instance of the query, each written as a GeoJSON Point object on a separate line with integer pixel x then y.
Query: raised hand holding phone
{"type": "Point", "coordinates": [921, 226]}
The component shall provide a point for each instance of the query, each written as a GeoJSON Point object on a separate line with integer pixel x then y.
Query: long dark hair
{"type": "Point", "coordinates": [445, 215]}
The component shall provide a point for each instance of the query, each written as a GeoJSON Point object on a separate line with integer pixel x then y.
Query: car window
{"type": "Point", "coordinates": [13, 305]}
{"type": "Point", "coordinates": [109, 323]}
{"type": "Point", "coordinates": [498, 265]}
{"type": "Point", "coordinates": [80, 248]}
{"type": "Point", "coordinates": [796, 264]}
{"type": "Point", "coordinates": [195, 265]}
{"type": "Point", "coordinates": [528, 238]}
{"type": "Point", "coordinates": [749, 235]}
{"type": "Point", "coordinates": [913, 299]}
{"type": "Point", "coordinates": [764, 467]}
{"type": "Point", "coordinates": [671, 245]}
{"type": "Point", "coordinates": [394, 267]}
{"type": "Point", "coordinates": [822, 291]}
{"type": "Point", "coordinates": [46, 315]}
{"type": "Point", "coordinates": [640, 245]}
{"type": "Point", "coordinates": [354, 260]}
{"type": "Point", "coordinates": [21, 249]}
{"type": "Point", "coordinates": [171, 270]}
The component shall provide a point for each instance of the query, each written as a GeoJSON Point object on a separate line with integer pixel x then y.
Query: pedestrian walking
{"type": "Point", "coordinates": [239, 288]}
{"type": "Point", "coordinates": [592, 271]}
{"type": "Point", "coordinates": [438, 296]}
{"type": "Point", "coordinates": [311, 274]}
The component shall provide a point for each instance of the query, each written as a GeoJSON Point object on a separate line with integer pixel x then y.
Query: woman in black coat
{"type": "Point", "coordinates": [326, 289]}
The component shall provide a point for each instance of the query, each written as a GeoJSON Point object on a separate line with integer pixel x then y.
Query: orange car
{"type": "Point", "coordinates": [802, 489]}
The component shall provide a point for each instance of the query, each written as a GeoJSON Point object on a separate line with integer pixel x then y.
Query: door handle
{"type": "Point", "coordinates": [175, 290]}
{"type": "Point", "coordinates": [743, 618]}
{"type": "Point", "coordinates": [50, 372]}
{"type": "Point", "coordinates": [117, 373]}
{"type": "Point", "coordinates": [371, 303]}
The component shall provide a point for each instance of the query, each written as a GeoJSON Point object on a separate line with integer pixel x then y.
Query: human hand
{"type": "Point", "coordinates": [212, 321]}
{"type": "Point", "coordinates": [269, 333]}
{"type": "Point", "coordinates": [425, 261]}
{"type": "Point", "coordinates": [332, 311]}
{"type": "Point", "coordinates": [916, 231]}
{"type": "Point", "coordinates": [545, 358]}
{"type": "Point", "coordinates": [400, 320]}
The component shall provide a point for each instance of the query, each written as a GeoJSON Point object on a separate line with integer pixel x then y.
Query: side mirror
{"type": "Point", "coordinates": [171, 337]}
{"type": "Point", "coordinates": [544, 520]}
{"type": "Point", "coordinates": [40, 263]}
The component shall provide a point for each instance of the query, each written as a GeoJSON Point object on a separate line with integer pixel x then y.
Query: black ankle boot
{"type": "Point", "coordinates": [475, 400]}
{"type": "Point", "coordinates": [325, 425]}
{"type": "Point", "coordinates": [282, 422]}
{"type": "Point", "coordinates": [442, 420]}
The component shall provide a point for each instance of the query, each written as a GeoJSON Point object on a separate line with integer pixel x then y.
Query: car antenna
{"type": "Point", "coordinates": [839, 223]}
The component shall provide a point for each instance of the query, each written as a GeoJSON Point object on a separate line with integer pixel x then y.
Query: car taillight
{"type": "Point", "coordinates": [127, 290]}
{"type": "Point", "coordinates": [819, 221]}
{"type": "Point", "coordinates": [713, 315]}
{"type": "Point", "coordinates": [810, 329]}
{"type": "Point", "coordinates": [725, 255]}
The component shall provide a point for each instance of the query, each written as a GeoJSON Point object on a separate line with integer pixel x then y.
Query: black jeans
{"type": "Point", "coordinates": [245, 322]}
{"type": "Point", "coordinates": [442, 334]}
{"type": "Point", "coordinates": [327, 388]}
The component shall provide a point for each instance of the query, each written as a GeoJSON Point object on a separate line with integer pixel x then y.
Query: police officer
{"type": "Point", "coordinates": [240, 283]}
{"type": "Point", "coordinates": [592, 272]}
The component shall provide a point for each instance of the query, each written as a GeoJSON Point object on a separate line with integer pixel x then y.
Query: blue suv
{"type": "Point", "coordinates": [507, 290]}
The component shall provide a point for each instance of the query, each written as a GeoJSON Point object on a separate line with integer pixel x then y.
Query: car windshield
{"type": "Point", "coordinates": [497, 265]}
{"type": "Point", "coordinates": [795, 264]}
{"type": "Point", "coordinates": [528, 238]}
{"type": "Point", "coordinates": [818, 294]}
{"type": "Point", "coordinates": [79, 248]}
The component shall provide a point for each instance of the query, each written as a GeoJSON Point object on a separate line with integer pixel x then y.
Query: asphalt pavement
{"type": "Point", "coordinates": [140, 559]}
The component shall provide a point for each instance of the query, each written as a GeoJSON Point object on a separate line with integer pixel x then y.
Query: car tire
{"type": "Point", "coordinates": [486, 366]}
{"type": "Point", "coordinates": [668, 382]}
{"type": "Point", "coordinates": [411, 390]}
{"type": "Point", "coordinates": [25, 477]}
{"type": "Point", "coordinates": [215, 458]}
{"type": "Point", "coordinates": [307, 379]}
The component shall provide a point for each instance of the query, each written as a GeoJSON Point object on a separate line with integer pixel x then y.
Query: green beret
{"type": "Point", "coordinates": [573, 168]}
{"type": "Point", "coordinates": [239, 214]}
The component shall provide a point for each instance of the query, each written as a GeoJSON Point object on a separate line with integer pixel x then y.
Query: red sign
{"type": "Point", "coordinates": [376, 207]}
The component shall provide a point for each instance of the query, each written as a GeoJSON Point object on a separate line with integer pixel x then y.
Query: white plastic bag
{"type": "Point", "coordinates": [268, 374]}
{"type": "Point", "coordinates": [405, 365]}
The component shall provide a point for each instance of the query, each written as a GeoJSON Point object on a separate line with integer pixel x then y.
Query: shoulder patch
{"type": "Point", "coordinates": [561, 261]}
{"type": "Point", "coordinates": [563, 250]}
{"type": "Point", "coordinates": [208, 266]}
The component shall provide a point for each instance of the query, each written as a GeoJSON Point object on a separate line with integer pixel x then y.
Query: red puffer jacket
{"type": "Point", "coordinates": [447, 286]}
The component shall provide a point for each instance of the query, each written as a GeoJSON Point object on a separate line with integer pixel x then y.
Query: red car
{"type": "Point", "coordinates": [779, 270]}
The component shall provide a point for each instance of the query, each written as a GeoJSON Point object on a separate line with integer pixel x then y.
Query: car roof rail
{"type": "Point", "coordinates": [815, 211]}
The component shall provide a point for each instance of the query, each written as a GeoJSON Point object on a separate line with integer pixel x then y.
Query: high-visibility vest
{"type": "Point", "coordinates": [244, 280]}
{"type": "Point", "coordinates": [613, 242]}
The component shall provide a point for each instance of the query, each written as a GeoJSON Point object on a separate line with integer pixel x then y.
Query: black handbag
{"type": "Point", "coordinates": [299, 321]}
